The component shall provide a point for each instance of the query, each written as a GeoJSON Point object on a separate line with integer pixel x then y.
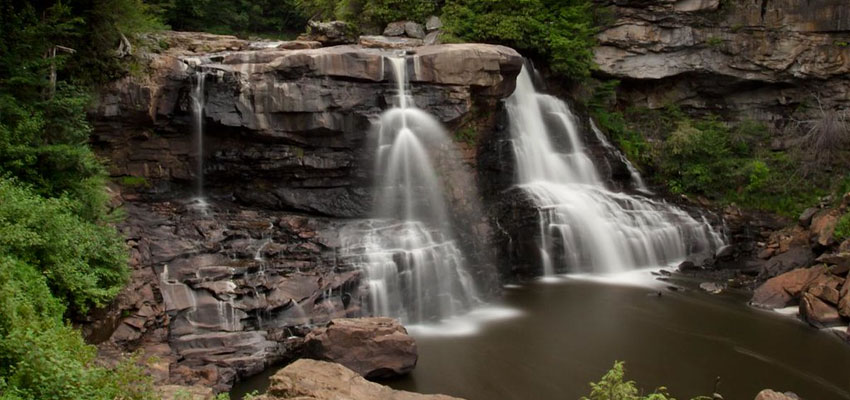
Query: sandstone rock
{"type": "Point", "coordinates": [768, 394]}
{"type": "Point", "coordinates": [825, 293]}
{"type": "Point", "coordinates": [823, 225]}
{"type": "Point", "coordinates": [177, 392]}
{"type": "Point", "coordinates": [817, 313]}
{"type": "Point", "coordinates": [795, 257]}
{"type": "Point", "coordinates": [840, 262]}
{"type": "Point", "coordinates": [806, 217]}
{"type": "Point", "coordinates": [388, 42]}
{"type": "Point", "coordinates": [373, 347]}
{"type": "Point", "coordinates": [299, 45]}
{"type": "Point", "coordinates": [319, 380]}
{"type": "Point", "coordinates": [414, 30]}
{"type": "Point", "coordinates": [395, 28]}
{"type": "Point", "coordinates": [781, 291]}
{"type": "Point", "coordinates": [433, 23]}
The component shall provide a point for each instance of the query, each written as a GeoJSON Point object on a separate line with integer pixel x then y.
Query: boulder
{"type": "Point", "coordinates": [781, 291]}
{"type": "Point", "coordinates": [414, 30]}
{"type": "Point", "coordinates": [795, 257]}
{"type": "Point", "coordinates": [432, 38]}
{"type": "Point", "coordinates": [395, 28]}
{"type": "Point", "coordinates": [433, 23]}
{"type": "Point", "coordinates": [375, 348]}
{"type": "Point", "coordinates": [817, 313]}
{"type": "Point", "coordinates": [823, 226]}
{"type": "Point", "coordinates": [806, 217]}
{"type": "Point", "coordinates": [320, 380]}
{"type": "Point", "coordinates": [768, 394]}
{"type": "Point", "coordinates": [687, 266]}
{"type": "Point", "coordinates": [840, 262]}
{"type": "Point", "coordinates": [825, 293]}
{"type": "Point", "coordinates": [725, 252]}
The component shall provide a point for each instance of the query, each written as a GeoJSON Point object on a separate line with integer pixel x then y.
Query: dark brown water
{"type": "Point", "coordinates": [571, 332]}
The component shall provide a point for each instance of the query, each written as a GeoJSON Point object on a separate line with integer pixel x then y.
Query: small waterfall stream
{"type": "Point", "coordinates": [584, 227]}
{"type": "Point", "coordinates": [413, 267]}
{"type": "Point", "coordinates": [198, 103]}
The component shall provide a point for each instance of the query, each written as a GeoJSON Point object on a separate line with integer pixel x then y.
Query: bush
{"type": "Point", "coordinates": [613, 386]}
{"type": "Point", "coordinates": [558, 31]}
{"type": "Point", "coordinates": [84, 263]}
{"type": "Point", "coordinates": [369, 15]}
{"type": "Point", "coordinates": [41, 357]}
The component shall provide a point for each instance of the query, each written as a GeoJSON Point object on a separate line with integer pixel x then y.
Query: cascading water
{"type": "Point", "coordinates": [413, 268]}
{"type": "Point", "coordinates": [198, 102]}
{"type": "Point", "coordinates": [585, 227]}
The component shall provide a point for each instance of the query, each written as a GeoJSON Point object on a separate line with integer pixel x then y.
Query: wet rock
{"type": "Point", "coordinates": [726, 252]}
{"type": "Point", "coordinates": [766, 253]}
{"type": "Point", "coordinates": [394, 28]}
{"type": "Point", "coordinates": [688, 266]}
{"type": "Point", "coordinates": [768, 394]}
{"type": "Point", "coordinates": [781, 291]}
{"type": "Point", "coordinates": [711, 287]}
{"type": "Point", "coordinates": [806, 217]}
{"type": "Point", "coordinates": [817, 313]}
{"type": "Point", "coordinates": [387, 42]}
{"type": "Point", "coordinates": [320, 380]}
{"type": "Point", "coordinates": [433, 23]}
{"type": "Point", "coordinates": [414, 30]}
{"type": "Point", "coordinates": [376, 348]}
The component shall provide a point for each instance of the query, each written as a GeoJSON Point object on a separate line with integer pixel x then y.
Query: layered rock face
{"type": "Point", "coordinates": [742, 58]}
{"type": "Point", "coordinates": [222, 289]}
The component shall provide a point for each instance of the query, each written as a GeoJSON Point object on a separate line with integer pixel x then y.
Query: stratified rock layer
{"type": "Point", "coordinates": [749, 59]}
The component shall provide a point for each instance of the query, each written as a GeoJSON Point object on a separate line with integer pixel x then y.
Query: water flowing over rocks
{"type": "Point", "coordinates": [375, 348]}
{"type": "Point", "coordinates": [320, 380]}
{"type": "Point", "coordinates": [753, 59]}
{"type": "Point", "coordinates": [228, 285]}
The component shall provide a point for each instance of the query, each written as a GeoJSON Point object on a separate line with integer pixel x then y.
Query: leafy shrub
{"type": "Point", "coordinates": [369, 15]}
{"type": "Point", "coordinates": [240, 17]}
{"type": "Point", "coordinates": [84, 263]}
{"type": "Point", "coordinates": [558, 31]}
{"type": "Point", "coordinates": [41, 357]}
{"type": "Point", "coordinates": [613, 386]}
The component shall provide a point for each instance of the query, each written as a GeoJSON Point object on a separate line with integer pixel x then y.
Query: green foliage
{"type": "Point", "coordinates": [84, 262]}
{"type": "Point", "coordinates": [466, 135]}
{"type": "Point", "coordinates": [842, 228]}
{"type": "Point", "coordinates": [369, 15]}
{"type": "Point", "coordinates": [134, 181]}
{"type": "Point", "coordinates": [41, 357]}
{"type": "Point", "coordinates": [714, 42]}
{"type": "Point", "coordinates": [558, 31]}
{"type": "Point", "coordinates": [613, 386]}
{"type": "Point", "coordinates": [275, 18]}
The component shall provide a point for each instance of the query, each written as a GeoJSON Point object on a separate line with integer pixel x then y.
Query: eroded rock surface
{"type": "Point", "coordinates": [747, 59]}
{"type": "Point", "coordinates": [376, 348]}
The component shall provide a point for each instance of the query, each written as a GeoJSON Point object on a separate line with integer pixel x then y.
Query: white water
{"type": "Point", "coordinates": [584, 227]}
{"type": "Point", "coordinates": [198, 103]}
{"type": "Point", "coordinates": [413, 269]}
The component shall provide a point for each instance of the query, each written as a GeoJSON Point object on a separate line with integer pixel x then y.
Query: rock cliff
{"type": "Point", "coordinates": [759, 59]}
{"type": "Point", "coordinates": [220, 288]}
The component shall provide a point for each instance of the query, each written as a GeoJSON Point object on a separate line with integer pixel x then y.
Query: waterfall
{"type": "Point", "coordinates": [413, 268]}
{"type": "Point", "coordinates": [198, 102]}
{"type": "Point", "coordinates": [585, 227]}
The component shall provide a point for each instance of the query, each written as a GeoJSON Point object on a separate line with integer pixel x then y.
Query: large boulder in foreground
{"type": "Point", "coordinates": [320, 380]}
{"type": "Point", "coordinates": [782, 290]}
{"type": "Point", "coordinates": [818, 313]}
{"type": "Point", "coordinates": [375, 348]}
